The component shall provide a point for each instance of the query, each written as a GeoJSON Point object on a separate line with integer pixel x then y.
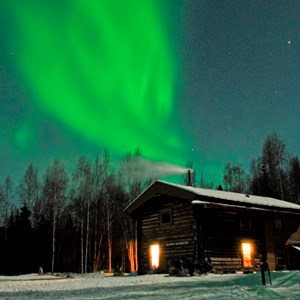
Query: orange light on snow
{"type": "Point", "coordinates": [154, 256]}
{"type": "Point", "coordinates": [247, 255]}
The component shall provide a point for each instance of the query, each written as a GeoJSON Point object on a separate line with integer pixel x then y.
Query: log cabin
{"type": "Point", "coordinates": [235, 232]}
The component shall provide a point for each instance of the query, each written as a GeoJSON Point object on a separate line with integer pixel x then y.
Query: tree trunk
{"type": "Point", "coordinates": [97, 262]}
{"type": "Point", "coordinates": [53, 234]}
{"type": "Point", "coordinates": [95, 239]}
{"type": "Point", "coordinates": [87, 235]}
{"type": "Point", "coordinates": [81, 246]}
{"type": "Point", "coordinates": [109, 245]}
{"type": "Point", "coordinates": [131, 256]}
{"type": "Point", "coordinates": [109, 239]}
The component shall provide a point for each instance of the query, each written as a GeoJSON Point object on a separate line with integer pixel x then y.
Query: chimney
{"type": "Point", "coordinates": [189, 177]}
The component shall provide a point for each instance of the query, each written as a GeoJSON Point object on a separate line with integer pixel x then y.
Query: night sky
{"type": "Point", "coordinates": [185, 81]}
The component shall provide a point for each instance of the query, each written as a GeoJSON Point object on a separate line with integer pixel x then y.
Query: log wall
{"type": "Point", "coordinates": [224, 231]}
{"type": "Point", "coordinates": [176, 240]}
{"type": "Point", "coordinates": [277, 237]}
{"type": "Point", "coordinates": [198, 233]}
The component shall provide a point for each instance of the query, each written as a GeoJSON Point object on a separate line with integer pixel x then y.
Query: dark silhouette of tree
{"type": "Point", "coordinates": [219, 187]}
{"type": "Point", "coordinates": [274, 160]}
{"type": "Point", "coordinates": [54, 195]}
{"type": "Point", "coordinates": [268, 172]}
{"type": "Point", "coordinates": [108, 206]}
{"type": "Point", "coordinates": [6, 209]}
{"type": "Point", "coordinates": [203, 182]}
{"type": "Point", "coordinates": [29, 188]}
{"type": "Point", "coordinates": [234, 178]}
{"type": "Point", "coordinates": [294, 179]}
{"type": "Point", "coordinates": [82, 193]}
{"type": "Point", "coordinates": [6, 200]}
{"type": "Point", "coordinates": [25, 242]}
{"type": "Point", "coordinates": [98, 215]}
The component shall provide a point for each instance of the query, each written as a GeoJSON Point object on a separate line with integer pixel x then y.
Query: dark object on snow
{"type": "Point", "coordinates": [264, 266]}
{"type": "Point", "coordinates": [181, 266]}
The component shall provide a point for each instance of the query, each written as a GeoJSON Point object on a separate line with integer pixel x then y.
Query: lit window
{"type": "Point", "coordinates": [247, 255]}
{"type": "Point", "coordinates": [154, 256]}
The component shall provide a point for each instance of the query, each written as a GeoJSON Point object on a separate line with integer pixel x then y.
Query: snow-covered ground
{"type": "Point", "coordinates": [286, 285]}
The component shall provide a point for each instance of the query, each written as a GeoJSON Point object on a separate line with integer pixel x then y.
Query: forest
{"type": "Point", "coordinates": [61, 222]}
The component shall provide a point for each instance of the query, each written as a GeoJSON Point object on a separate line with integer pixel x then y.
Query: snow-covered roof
{"type": "Point", "coordinates": [238, 198]}
{"type": "Point", "coordinates": [200, 196]}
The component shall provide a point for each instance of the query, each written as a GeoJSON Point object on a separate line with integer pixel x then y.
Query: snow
{"type": "Point", "coordinates": [237, 197]}
{"type": "Point", "coordinates": [286, 285]}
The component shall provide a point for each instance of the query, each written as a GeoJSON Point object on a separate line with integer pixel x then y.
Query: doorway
{"type": "Point", "coordinates": [247, 254]}
{"type": "Point", "coordinates": [154, 256]}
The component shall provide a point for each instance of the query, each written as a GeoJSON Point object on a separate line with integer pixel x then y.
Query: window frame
{"type": "Point", "coordinates": [277, 223]}
{"type": "Point", "coordinates": [164, 212]}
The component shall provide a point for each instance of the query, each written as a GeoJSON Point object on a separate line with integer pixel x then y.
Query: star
{"type": "Point", "coordinates": [289, 42]}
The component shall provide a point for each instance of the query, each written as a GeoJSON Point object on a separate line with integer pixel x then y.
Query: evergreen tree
{"type": "Point", "coordinates": [294, 179]}
{"type": "Point", "coordinates": [29, 192]}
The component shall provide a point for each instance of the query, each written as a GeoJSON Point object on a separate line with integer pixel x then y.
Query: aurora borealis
{"type": "Point", "coordinates": [99, 72]}
{"type": "Point", "coordinates": [182, 80]}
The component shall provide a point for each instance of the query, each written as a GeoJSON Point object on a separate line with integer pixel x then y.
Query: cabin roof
{"type": "Point", "coordinates": [197, 195]}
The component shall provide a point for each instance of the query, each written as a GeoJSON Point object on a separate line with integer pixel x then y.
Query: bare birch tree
{"type": "Point", "coordinates": [269, 175]}
{"type": "Point", "coordinates": [234, 178]}
{"type": "Point", "coordinates": [98, 213]}
{"type": "Point", "coordinates": [54, 194]}
{"type": "Point", "coordinates": [107, 203]}
{"type": "Point", "coordinates": [82, 193]}
{"type": "Point", "coordinates": [6, 200]}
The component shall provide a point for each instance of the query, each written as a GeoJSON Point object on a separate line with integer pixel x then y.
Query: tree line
{"type": "Point", "coordinates": [70, 223]}
{"type": "Point", "coordinates": [274, 173]}
{"type": "Point", "coordinates": [76, 222]}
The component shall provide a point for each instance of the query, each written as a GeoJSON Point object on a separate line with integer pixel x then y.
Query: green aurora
{"type": "Point", "coordinates": [185, 81]}
{"type": "Point", "coordinates": [105, 69]}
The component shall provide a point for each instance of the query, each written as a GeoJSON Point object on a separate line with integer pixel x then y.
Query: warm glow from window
{"type": "Point", "coordinates": [154, 256]}
{"type": "Point", "coordinates": [247, 255]}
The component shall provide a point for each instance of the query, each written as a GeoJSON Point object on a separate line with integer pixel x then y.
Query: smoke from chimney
{"type": "Point", "coordinates": [143, 169]}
